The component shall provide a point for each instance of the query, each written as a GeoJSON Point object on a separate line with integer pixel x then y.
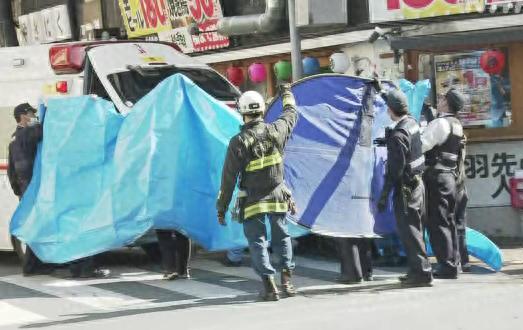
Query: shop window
{"type": "Point", "coordinates": [483, 77]}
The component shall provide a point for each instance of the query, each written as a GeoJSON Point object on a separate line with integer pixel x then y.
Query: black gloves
{"type": "Point", "coordinates": [382, 142]}
{"type": "Point", "coordinates": [376, 83]}
{"type": "Point", "coordinates": [284, 87]}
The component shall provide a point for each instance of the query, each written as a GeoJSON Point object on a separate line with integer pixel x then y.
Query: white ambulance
{"type": "Point", "coordinates": [120, 71]}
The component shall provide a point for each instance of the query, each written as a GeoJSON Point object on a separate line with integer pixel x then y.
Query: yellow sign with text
{"type": "Point", "coordinates": [145, 17]}
{"type": "Point", "coordinates": [431, 8]}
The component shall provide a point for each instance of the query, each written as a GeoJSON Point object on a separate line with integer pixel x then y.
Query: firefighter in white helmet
{"type": "Point", "coordinates": [255, 160]}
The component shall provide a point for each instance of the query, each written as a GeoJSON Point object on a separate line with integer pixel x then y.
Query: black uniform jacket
{"type": "Point", "coordinates": [22, 153]}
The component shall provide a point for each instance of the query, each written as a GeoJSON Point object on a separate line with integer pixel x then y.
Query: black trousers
{"type": "Point", "coordinates": [176, 251]}
{"type": "Point", "coordinates": [355, 258]}
{"type": "Point", "coordinates": [461, 225]}
{"type": "Point", "coordinates": [408, 210]}
{"type": "Point", "coordinates": [441, 222]}
{"type": "Point", "coordinates": [31, 264]}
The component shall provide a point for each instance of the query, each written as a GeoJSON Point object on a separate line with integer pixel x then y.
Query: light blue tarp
{"type": "Point", "coordinates": [416, 95]}
{"type": "Point", "coordinates": [102, 180]}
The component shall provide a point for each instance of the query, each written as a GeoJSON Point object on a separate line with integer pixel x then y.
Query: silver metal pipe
{"type": "Point", "coordinates": [297, 66]}
{"type": "Point", "coordinates": [248, 24]}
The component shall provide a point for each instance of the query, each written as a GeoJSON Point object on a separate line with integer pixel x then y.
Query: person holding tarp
{"type": "Point", "coordinates": [22, 153]}
{"type": "Point", "coordinates": [405, 163]}
{"type": "Point", "coordinates": [255, 156]}
{"type": "Point", "coordinates": [443, 144]}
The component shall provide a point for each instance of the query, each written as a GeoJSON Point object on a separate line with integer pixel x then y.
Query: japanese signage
{"type": "Point", "coordinates": [488, 167]}
{"type": "Point", "coordinates": [488, 94]}
{"type": "Point", "coordinates": [44, 26]}
{"type": "Point", "coordinates": [170, 20]}
{"type": "Point", "coordinates": [397, 10]}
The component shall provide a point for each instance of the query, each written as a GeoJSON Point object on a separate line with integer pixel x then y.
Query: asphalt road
{"type": "Point", "coordinates": [218, 297]}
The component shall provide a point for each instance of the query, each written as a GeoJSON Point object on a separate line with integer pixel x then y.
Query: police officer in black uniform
{"type": "Point", "coordinates": [442, 142]}
{"type": "Point", "coordinates": [405, 163]}
{"type": "Point", "coordinates": [22, 153]}
{"type": "Point", "coordinates": [255, 156]}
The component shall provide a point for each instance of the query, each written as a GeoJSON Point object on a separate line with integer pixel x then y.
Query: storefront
{"type": "Point", "coordinates": [482, 58]}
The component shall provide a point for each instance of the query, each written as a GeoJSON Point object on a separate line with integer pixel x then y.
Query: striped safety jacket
{"type": "Point", "coordinates": [255, 156]}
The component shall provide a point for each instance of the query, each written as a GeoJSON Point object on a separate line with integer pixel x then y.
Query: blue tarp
{"type": "Point", "coordinates": [331, 166]}
{"type": "Point", "coordinates": [416, 95]}
{"type": "Point", "coordinates": [102, 180]}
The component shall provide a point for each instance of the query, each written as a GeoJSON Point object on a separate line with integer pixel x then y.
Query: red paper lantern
{"type": "Point", "coordinates": [492, 61]}
{"type": "Point", "coordinates": [257, 72]}
{"type": "Point", "coordinates": [235, 75]}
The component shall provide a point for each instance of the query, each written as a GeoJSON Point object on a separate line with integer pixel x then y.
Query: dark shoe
{"type": "Point", "coordinates": [412, 281]}
{"type": "Point", "coordinates": [445, 276]}
{"type": "Point", "coordinates": [270, 291]}
{"type": "Point", "coordinates": [403, 278]}
{"type": "Point", "coordinates": [184, 275]}
{"type": "Point", "coordinates": [96, 273]}
{"type": "Point", "coordinates": [286, 284]}
{"type": "Point", "coordinates": [170, 276]}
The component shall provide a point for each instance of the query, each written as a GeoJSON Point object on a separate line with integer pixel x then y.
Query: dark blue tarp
{"type": "Point", "coordinates": [331, 166]}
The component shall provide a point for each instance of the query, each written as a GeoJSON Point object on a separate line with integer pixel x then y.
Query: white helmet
{"type": "Point", "coordinates": [251, 103]}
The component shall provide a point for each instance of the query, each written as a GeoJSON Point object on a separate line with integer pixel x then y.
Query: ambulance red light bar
{"type": "Point", "coordinates": [67, 58]}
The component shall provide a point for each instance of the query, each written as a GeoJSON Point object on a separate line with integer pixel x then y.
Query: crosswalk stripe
{"type": "Point", "coordinates": [88, 295]}
{"type": "Point", "coordinates": [12, 315]}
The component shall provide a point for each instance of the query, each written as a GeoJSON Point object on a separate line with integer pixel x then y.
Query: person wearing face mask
{"type": "Point", "coordinates": [22, 153]}
{"type": "Point", "coordinates": [442, 142]}
{"type": "Point", "coordinates": [405, 164]}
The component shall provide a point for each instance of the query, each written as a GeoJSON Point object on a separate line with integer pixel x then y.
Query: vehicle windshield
{"type": "Point", "coordinates": [132, 85]}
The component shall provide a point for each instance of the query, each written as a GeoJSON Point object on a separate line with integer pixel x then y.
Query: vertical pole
{"type": "Point", "coordinates": [297, 69]}
{"type": "Point", "coordinates": [7, 28]}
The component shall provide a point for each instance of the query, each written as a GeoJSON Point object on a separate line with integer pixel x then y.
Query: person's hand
{"type": "Point", "coordinates": [382, 203]}
{"type": "Point", "coordinates": [376, 83]}
{"type": "Point", "coordinates": [283, 88]}
{"type": "Point", "coordinates": [221, 219]}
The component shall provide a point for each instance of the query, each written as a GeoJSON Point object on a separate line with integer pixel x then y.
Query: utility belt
{"type": "Point", "coordinates": [238, 212]}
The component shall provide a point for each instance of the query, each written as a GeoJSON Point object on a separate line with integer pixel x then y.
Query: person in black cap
{"type": "Point", "coordinates": [405, 164]}
{"type": "Point", "coordinates": [442, 142]}
{"type": "Point", "coordinates": [22, 152]}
